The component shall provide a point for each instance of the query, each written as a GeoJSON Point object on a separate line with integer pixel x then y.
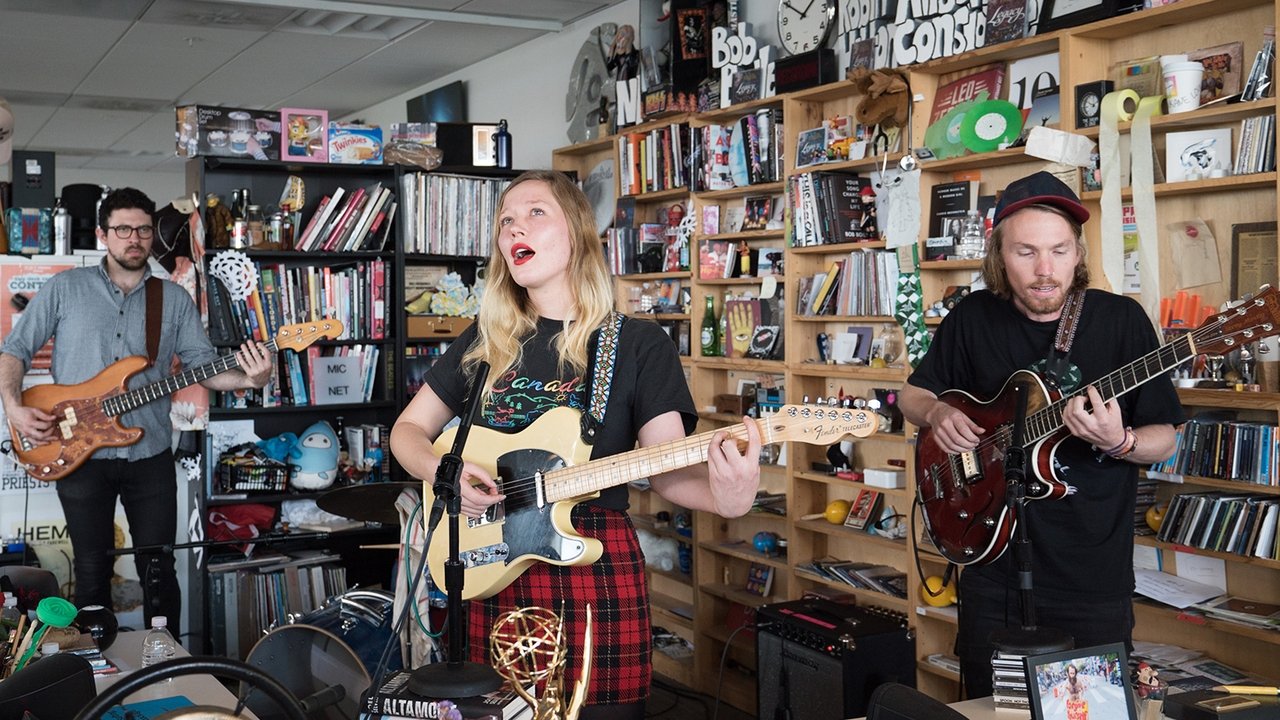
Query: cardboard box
{"type": "Point", "coordinates": [228, 132]}
{"type": "Point", "coordinates": [436, 326]}
{"type": "Point", "coordinates": [885, 477]}
{"type": "Point", "coordinates": [352, 144]}
{"type": "Point", "coordinates": [736, 404]}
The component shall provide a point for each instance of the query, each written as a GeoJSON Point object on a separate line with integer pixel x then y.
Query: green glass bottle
{"type": "Point", "coordinates": [710, 330]}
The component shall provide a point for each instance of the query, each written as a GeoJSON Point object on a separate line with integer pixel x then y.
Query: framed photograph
{"type": "Point", "coordinates": [1253, 257]}
{"type": "Point", "coordinates": [1088, 682]}
{"type": "Point", "coordinates": [1058, 14]}
{"type": "Point", "coordinates": [482, 154]}
{"type": "Point", "coordinates": [1222, 70]}
{"type": "Point", "coordinates": [811, 147]}
{"type": "Point", "coordinates": [304, 135]}
{"type": "Point", "coordinates": [758, 209]}
{"type": "Point", "coordinates": [693, 33]}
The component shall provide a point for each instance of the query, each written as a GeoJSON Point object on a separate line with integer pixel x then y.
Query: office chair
{"type": "Point", "coordinates": [52, 688]}
{"type": "Point", "coordinates": [30, 584]}
{"type": "Point", "coordinates": [895, 701]}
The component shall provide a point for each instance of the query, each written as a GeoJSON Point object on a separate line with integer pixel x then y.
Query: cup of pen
{"type": "Point", "coordinates": [50, 612]}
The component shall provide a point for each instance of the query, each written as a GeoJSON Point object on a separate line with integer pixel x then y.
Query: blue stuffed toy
{"type": "Point", "coordinates": [314, 458]}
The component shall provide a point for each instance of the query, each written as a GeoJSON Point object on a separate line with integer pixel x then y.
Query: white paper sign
{"type": "Point", "coordinates": [338, 380]}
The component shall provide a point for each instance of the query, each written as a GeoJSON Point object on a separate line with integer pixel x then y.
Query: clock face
{"type": "Point", "coordinates": [1089, 105]}
{"type": "Point", "coordinates": [804, 25]}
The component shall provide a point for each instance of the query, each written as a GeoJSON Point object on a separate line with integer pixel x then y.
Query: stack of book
{"type": "Point", "coordinates": [1009, 681]}
{"type": "Point", "coordinates": [394, 701]}
{"type": "Point", "coordinates": [87, 648]}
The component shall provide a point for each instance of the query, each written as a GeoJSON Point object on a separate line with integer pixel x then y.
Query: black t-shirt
{"type": "Point", "coordinates": [1082, 544]}
{"type": "Point", "coordinates": [647, 382]}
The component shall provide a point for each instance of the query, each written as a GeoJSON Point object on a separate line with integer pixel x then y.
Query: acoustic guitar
{"type": "Point", "coordinates": [963, 495]}
{"type": "Point", "coordinates": [544, 471]}
{"type": "Point", "coordinates": [87, 413]}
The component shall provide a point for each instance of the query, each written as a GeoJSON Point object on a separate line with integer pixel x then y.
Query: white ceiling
{"type": "Point", "coordinates": [96, 80]}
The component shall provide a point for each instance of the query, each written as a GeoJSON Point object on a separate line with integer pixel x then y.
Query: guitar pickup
{"type": "Point", "coordinates": [487, 555]}
{"type": "Point", "coordinates": [970, 470]}
{"type": "Point", "coordinates": [495, 513]}
{"type": "Point", "coordinates": [68, 425]}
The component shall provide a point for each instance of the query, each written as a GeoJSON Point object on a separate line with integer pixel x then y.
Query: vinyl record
{"type": "Point", "coordinates": [990, 124]}
{"type": "Point", "coordinates": [943, 136]}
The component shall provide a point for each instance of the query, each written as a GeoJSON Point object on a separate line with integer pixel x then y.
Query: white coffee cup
{"type": "Point", "coordinates": [1182, 86]}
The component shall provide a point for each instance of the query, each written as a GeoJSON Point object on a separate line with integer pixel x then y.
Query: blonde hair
{"type": "Point", "coordinates": [996, 275]}
{"type": "Point", "coordinates": [507, 317]}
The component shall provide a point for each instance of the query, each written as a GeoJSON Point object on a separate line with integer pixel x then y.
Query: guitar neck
{"type": "Point", "coordinates": [1048, 420]}
{"type": "Point", "coordinates": [124, 402]}
{"type": "Point", "coordinates": [623, 468]}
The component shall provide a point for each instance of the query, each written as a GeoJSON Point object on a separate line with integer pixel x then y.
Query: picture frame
{"type": "Point", "coordinates": [482, 151]}
{"type": "Point", "coordinates": [1194, 154]}
{"type": "Point", "coordinates": [758, 208]}
{"type": "Point", "coordinates": [1253, 257]}
{"type": "Point", "coordinates": [1102, 673]}
{"type": "Point", "coordinates": [304, 135]}
{"type": "Point", "coordinates": [1058, 14]}
{"type": "Point", "coordinates": [1223, 70]}
{"type": "Point", "coordinates": [862, 350]}
{"type": "Point", "coordinates": [692, 27]}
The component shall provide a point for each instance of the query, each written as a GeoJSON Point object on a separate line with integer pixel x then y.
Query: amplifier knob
{"type": "Point", "coordinates": [847, 642]}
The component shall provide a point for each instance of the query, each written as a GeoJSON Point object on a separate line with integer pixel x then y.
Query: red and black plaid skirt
{"type": "Point", "coordinates": [618, 593]}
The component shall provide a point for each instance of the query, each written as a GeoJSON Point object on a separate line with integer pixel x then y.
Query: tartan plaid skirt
{"type": "Point", "coordinates": [618, 593]}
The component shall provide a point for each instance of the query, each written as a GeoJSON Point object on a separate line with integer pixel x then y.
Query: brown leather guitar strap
{"type": "Point", "coordinates": [1056, 365]}
{"type": "Point", "coordinates": [155, 314]}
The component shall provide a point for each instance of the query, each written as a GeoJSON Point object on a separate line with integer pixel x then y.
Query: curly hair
{"type": "Point", "coordinates": [124, 199]}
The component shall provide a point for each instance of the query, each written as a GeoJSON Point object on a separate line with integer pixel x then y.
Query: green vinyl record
{"type": "Point", "coordinates": [990, 124]}
{"type": "Point", "coordinates": [943, 136]}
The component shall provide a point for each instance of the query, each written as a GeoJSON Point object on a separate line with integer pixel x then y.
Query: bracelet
{"type": "Point", "coordinates": [1127, 447]}
{"type": "Point", "coordinates": [1119, 446]}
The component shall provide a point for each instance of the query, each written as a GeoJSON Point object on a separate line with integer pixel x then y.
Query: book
{"type": "Point", "coordinates": [760, 579]}
{"type": "Point", "coordinates": [862, 509]}
{"type": "Point", "coordinates": [949, 202]}
{"type": "Point", "coordinates": [1006, 20]}
{"type": "Point", "coordinates": [394, 698]}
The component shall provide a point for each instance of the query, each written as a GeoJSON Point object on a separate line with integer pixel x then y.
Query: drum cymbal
{"type": "Point", "coordinates": [372, 502]}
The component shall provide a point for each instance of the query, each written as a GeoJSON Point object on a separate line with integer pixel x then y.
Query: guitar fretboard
{"type": "Point", "coordinates": [624, 467]}
{"type": "Point", "coordinates": [124, 402]}
{"type": "Point", "coordinates": [1048, 420]}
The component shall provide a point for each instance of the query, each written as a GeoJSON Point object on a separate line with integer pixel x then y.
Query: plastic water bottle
{"type": "Point", "coordinates": [158, 645]}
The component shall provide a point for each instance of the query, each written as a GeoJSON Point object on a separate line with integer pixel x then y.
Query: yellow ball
{"type": "Point", "coordinates": [943, 599]}
{"type": "Point", "coordinates": [1155, 516]}
{"type": "Point", "coordinates": [836, 512]}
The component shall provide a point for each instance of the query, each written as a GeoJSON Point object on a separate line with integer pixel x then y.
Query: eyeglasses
{"type": "Point", "coordinates": [124, 232]}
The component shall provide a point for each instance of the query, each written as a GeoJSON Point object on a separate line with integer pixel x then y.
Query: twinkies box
{"type": "Point", "coordinates": [355, 144]}
{"type": "Point", "coordinates": [227, 132]}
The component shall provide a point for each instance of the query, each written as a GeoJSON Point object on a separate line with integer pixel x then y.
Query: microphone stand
{"type": "Point", "coordinates": [455, 677]}
{"type": "Point", "coordinates": [1030, 638]}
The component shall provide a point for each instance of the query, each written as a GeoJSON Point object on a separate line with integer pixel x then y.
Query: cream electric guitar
{"type": "Point", "coordinates": [88, 412]}
{"type": "Point", "coordinates": [544, 471]}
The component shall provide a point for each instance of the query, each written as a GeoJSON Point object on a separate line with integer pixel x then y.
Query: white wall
{"type": "Point", "coordinates": [526, 85]}
{"type": "Point", "coordinates": [161, 186]}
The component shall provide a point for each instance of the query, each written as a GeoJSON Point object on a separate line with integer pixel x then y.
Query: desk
{"type": "Point", "coordinates": [985, 709]}
{"type": "Point", "coordinates": [126, 653]}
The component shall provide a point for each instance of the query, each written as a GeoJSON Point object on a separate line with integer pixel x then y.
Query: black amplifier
{"type": "Point", "coordinates": [821, 660]}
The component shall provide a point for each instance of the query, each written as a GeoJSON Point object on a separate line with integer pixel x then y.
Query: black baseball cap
{"type": "Point", "coordinates": [1041, 188]}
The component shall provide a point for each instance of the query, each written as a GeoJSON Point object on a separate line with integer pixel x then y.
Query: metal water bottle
{"type": "Point", "coordinates": [502, 145]}
{"type": "Point", "coordinates": [61, 229]}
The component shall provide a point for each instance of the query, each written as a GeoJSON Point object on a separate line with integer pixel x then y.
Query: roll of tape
{"type": "Point", "coordinates": [1116, 105]}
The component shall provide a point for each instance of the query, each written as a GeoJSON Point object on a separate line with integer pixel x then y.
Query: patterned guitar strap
{"type": "Point", "coordinates": [604, 352]}
{"type": "Point", "coordinates": [1056, 367]}
{"type": "Point", "coordinates": [909, 307]}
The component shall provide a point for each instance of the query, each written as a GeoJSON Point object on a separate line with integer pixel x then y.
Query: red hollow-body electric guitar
{"type": "Point", "coordinates": [87, 412]}
{"type": "Point", "coordinates": [963, 495]}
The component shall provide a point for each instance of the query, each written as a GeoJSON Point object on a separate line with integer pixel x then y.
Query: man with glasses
{"type": "Point", "coordinates": [98, 316]}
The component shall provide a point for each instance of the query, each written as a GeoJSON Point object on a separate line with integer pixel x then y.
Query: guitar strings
{"type": "Point", "coordinates": [1048, 420]}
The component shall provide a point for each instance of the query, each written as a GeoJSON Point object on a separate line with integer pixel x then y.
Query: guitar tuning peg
{"type": "Point", "coordinates": [846, 403]}
{"type": "Point", "coordinates": [805, 400]}
{"type": "Point", "coordinates": [873, 404]}
{"type": "Point", "coordinates": [821, 401]}
{"type": "Point", "coordinates": [859, 403]}
{"type": "Point", "coordinates": [832, 401]}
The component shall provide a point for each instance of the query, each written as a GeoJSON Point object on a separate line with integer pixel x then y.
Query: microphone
{"type": "Point", "coordinates": [331, 695]}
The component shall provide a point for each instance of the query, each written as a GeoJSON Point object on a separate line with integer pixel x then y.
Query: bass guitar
{"type": "Point", "coordinates": [544, 471]}
{"type": "Point", "coordinates": [963, 495]}
{"type": "Point", "coordinates": [87, 413]}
